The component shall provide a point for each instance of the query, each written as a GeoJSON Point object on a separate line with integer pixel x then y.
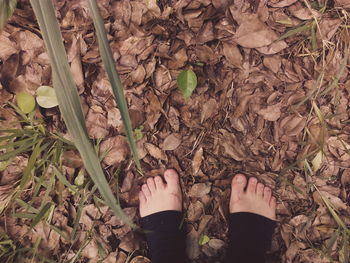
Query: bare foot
{"type": "Point", "coordinates": [156, 196]}
{"type": "Point", "coordinates": [256, 199]}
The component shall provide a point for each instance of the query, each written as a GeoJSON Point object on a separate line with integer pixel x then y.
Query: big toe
{"type": "Point", "coordinates": [238, 184]}
{"type": "Point", "coordinates": [172, 179]}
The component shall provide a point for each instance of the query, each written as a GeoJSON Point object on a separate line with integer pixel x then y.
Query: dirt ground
{"type": "Point", "coordinates": [272, 101]}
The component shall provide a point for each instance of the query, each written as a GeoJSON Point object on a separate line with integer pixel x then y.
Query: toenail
{"type": "Point", "coordinates": [239, 178]}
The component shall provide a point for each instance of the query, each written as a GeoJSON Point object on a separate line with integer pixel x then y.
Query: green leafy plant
{"type": "Point", "coordinates": [7, 7]}
{"type": "Point", "coordinates": [187, 82]}
{"type": "Point", "coordinates": [69, 102]}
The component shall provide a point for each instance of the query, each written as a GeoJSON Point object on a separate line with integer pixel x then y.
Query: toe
{"type": "Point", "coordinates": [146, 191]}
{"type": "Point", "coordinates": [260, 190]}
{"type": "Point", "coordinates": [267, 194]}
{"type": "Point", "coordinates": [172, 179]}
{"type": "Point", "coordinates": [252, 185]}
{"type": "Point", "coordinates": [151, 184]}
{"type": "Point", "coordinates": [159, 183]}
{"type": "Point", "coordinates": [142, 198]}
{"type": "Point", "coordinates": [237, 187]}
{"type": "Point", "coordinates": [273, 203]}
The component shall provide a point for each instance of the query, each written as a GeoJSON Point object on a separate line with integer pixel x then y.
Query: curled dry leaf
{"type": "Point", "coordinates": [232, 54]}
{"type": "Point", "coordinates": [117, 150]}
{"type": "Point", "coordinates": [171, 142]}
{"type": "Point", "coordinates": [210, 108]}
{"type": "Point", "coordinates": [199, 190]}
{"type": "Point", "coordinates": [155, 152]}
{"type": "Point", "coordinates": [253, 33]}
{"type": "Point", "coordinates": [271, 113]}
{"type": "Point", "coordinates": [283, 3]}
{"type": "Point", "coordinates": [232, 146]}
{"type": "Point", "coordinates": [178, 60]}
{"type": "Point", "coordinates": [140, 259]}
{"type": "Point", "coordinates": [273, 63]}
{"type": "Point", "coordinates": [197, 161]}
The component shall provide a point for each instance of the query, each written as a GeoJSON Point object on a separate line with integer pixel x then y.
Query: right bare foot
{"type": "Point", "coordinates": [256, 199]}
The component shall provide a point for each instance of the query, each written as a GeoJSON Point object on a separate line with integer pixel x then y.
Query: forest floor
{"type": "Point", "coordinates": [272, 101]}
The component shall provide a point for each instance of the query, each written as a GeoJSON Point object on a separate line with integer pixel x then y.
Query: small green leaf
{"type": "Point", "coordinates": [187, 82]}
{"type": "Point", "coordinates": [79, 180]}
{"type": "Point", "coordinates": [138, 133]}
{"type": "Point", "coordinates": [25, 102]}
{"type": "Point", "coordinates": [46, 97]}
{"type": "Point", "coordinates": [203, 240]}
{"type": "Point", "coordinates": [3, 165]}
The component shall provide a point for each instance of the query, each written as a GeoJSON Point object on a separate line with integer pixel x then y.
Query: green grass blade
{"type": "Point", "coordinates": [107, 58]}
{"type": "Point", "coordinates": [7, 7]}
{"type": "Point", "coordinates": [23, 148]}
{"type": "Point", "coordinates": [40, 215]}
{"type": "Point", "coordinates": [301, 28]}
{"type": "Point", "coordinates": [69, 102]}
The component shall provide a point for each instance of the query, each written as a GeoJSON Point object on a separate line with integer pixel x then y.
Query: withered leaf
{"type": "Point", "coordinates": [271, 113]}
{"type": "Point", "coordinates": [197, 161]}
{"type": "Point", "coordinates": [155, 152]}
{"type": "Point", "coordinates": [199, 190]}
{"type": "Point", "coordinates": [117, 150]}
{"type": "Point", "coordinates": [171, 142]}
{"type": "Point", "coordinates": [253, 33]}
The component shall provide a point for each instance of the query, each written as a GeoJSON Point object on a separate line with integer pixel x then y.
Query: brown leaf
{"type": "Point", "coordinates": [206, 33]}
{"type": "Point", "coordinates": [232, 146]}
{"type": "Point", "coordinates": [171, 142]}
{"type": "Point", "coordinates": [96, 124]}
{"type": "Point", "coordinates": [155, 152]}
{"type": "Point", "coordinates": [232, 54]}
{"type": "Point", "coordinates": [199, 190]}
{"type": "Point", "coordinates": [197, 161]}
{"type": "Point", "coordinates": [273, 63]}
{"type": "Point", "coordinates": [343, 3]}
{"type": "Point", "coordinates": [138, 75]}
{"type": "Point", "coordinates": [253, 33]}
{"type": "Point", "coordinates": [117, 150]}
{"type": "Point", "coordinates": [279, 3]}
{"type": "Point", "coordinates": [178, 60]}
{"type": "Point", "coordinates": [299, 11]}
{"type": "Point", "coordinates": [7, 48]}
{"type": "Point", "coordinates": [209, 109]}
{"type": "Point", "coordinates": [274, 48]}
{"type": "Point", "coordinates": [271, 113]}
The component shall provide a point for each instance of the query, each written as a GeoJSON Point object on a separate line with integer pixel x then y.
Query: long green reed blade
{"type": "Point", "coordinates": [7, 7]}
{"type": "Point", "coordinates": [69, 102]}
{"type": "Point", "coordinates": [107, 58]}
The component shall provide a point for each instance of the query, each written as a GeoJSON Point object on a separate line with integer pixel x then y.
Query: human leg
{"type": "Point", "coordinates": [251, 220]}
{"type": "Point", "coordinates": [162, 217]}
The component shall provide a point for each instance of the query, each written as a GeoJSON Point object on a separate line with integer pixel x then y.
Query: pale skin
{"type": "Point", "coordinates": [246, 196]}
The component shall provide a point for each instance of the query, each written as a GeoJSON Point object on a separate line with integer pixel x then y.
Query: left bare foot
{"type": "Point", "coordinates": [156, 196]}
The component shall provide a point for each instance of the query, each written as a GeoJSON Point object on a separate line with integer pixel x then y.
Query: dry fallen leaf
{"type": "Point", "coordinates": [171, 142]}
{"type": "Point", "coordinates": [117, 150]}
{"type": "Point", "coordinates": [253, 33]}
{"type": "Point", "coordinates": [199, 190]}
{"type": "Point", "coordinates": [155, 152]}
{"type": "Point", "coordinates": [197, 161]}
{"type": "Point", "coordinates": [209, 109]}
{"type": "Point", "coordinates": [271, 113]}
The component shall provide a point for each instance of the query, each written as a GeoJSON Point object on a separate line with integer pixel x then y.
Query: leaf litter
{"type": "Point", "coordinates": [259, 67]}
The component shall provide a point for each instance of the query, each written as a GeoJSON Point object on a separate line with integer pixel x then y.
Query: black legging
{"type": "Point", "coordinates": [249, 234]}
